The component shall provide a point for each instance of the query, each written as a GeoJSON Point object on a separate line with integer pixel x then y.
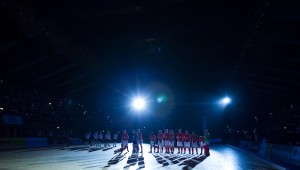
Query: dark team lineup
{"type": "Point", "coordinates": [158, 143]}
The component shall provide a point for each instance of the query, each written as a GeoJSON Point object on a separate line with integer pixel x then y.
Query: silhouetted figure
{"type": "Point", "coordinates": [107, 139]}
{"type": "Point", "coordinates": [206, 143]}
{"type": "Point", "coordinates": [115, 139]}
{"type": "Point", "coordinates": [140, 139]}
{"type": "Point", "coordinates": [135, 147]}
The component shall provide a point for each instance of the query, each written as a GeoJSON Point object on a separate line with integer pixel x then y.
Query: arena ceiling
{"type": "Point", "coordinates": [98, 51]}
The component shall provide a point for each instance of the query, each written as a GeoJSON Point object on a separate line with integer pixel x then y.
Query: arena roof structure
{"type": "Point", "coordinates": [95, 52]}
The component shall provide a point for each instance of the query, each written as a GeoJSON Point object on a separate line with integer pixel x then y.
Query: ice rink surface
{"type": "Point", "coordinates": [90, 158]}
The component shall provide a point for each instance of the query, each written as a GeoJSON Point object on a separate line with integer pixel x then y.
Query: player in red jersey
{"type": "Point", "coordinates": [166, 140]}
{"type": "Point", "coordinates": [194, 142]}
{"type": "Point", "coordinates": [201, 142]}
{"type": "Point", "coordinates": [171, 141]}
{"type": "Point", "coordinates": [152, 141]}
{"type": "Point", "coordinates": [125, 138]}
{"type": "Point", "coordinates": [187, 141]}
{"type": "Point", "coordinates": [140, 139]}
{"type": "Point", "coordinates": [160, 137]}
{"type": "Point", "coordinates": [179, 137]}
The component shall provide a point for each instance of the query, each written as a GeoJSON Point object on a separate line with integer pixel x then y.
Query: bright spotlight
{"type": "Point", "coordinates": [139, 104]}
{"type": "Point", "coordinates": [161, 99]}
{"type": "Point", "coordinates": [226, 100]}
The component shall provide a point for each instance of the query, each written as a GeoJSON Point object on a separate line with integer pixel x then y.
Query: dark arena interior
{"type": "Point", "coordinates": [76, 74]}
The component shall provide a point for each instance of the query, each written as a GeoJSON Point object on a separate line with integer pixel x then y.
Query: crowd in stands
{"type": "Point", "coordinates": [281, 127]}
{"type": "Point", "coordinates": [42, 115]}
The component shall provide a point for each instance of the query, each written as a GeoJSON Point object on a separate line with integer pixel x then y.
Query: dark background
{"type": "Point", "coordinates": [95, 56]}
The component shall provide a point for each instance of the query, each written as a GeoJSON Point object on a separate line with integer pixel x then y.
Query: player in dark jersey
{"type": "Point", "coordinates": [140, 139]}
{"type": "Point", "coordinates": [206, 142]}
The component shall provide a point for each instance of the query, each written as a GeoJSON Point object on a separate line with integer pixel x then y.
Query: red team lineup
{"type": "Point", "coordinates": [165, 142]}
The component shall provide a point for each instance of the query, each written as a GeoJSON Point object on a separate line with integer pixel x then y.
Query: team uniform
{"type": "Point", "coordinates": [107, 139]}
{"type": "Point", "coordinates": [194, 143]}
{"type": "Point", "coordinates": [206, 143]}
{"type": "Point", "coordinates": [171, 141]}
{"type": "Point", "coordinates": [68, 140]}
{"type": "Point", "coordinates": [140, 139]}
{"type": "Point", "coordinates": [115, 139]}
{"type": "Point", "coordinates": [135, 148]}
{"type": "Point", "coordinates": [125, 138]}
{"type": "Point", "coordinates": [187, 142]}
{"type": "Point", "coordinates": [201, 142]}
{"type": "Point", "coordinates": [160, 137]}
{"type": "Point", "coordinates": [100, 138]}
{"type": "Point", "coordinates": [87, 138]}
{"type": "Point", "coordinates": [166, 140]}
{"type": "Point", "coordinates": [179, 137]}
{"type": "Point", "coordinates": [152, 142]}
{"type": "Point", "coordinates": [95, 140]}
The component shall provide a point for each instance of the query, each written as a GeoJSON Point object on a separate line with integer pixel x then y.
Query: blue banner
{"type": "Point", "coordinates": [12, 120]}
{"type": "Point", "coordinates": [36, 142]}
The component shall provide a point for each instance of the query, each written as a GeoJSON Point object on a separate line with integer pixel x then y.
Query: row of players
{"type": "Point", "coordinates": [167, 140]}
{"type": "Point", "coordinates": [98, 139]}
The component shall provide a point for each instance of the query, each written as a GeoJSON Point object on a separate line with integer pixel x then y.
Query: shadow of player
{"type": "Point", "coordinates": [192, 162]}
{"type": "Point", "coordinates": [166, 160]}
{"type": "Point", "coordinates": [32, 149]}
{"type": "Point", "coordinates": [77, 148]}
{"type": "Point", "coordinates": [135, 159]}
{"type": "Point", "coordinates": [94, 149]}
{"type": "Point", "coordinates": [175, 159]}
{"type": "Point", "coordinates": [160, 159]}
{"type": "Point", "coordinates": [118, 151]}
{"type": "Point", "coordinates": [116, 159]}
{"type": "Point", "coordinates": [105, 149]}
